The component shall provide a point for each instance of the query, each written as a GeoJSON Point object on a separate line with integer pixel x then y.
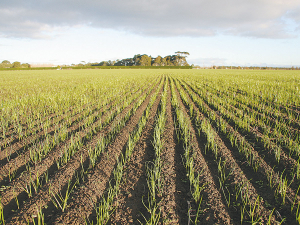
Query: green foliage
{"type": "Point", "coordinates": [16, 65]}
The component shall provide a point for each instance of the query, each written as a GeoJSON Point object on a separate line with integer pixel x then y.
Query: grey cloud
{"type": "Point", "coordinates": [251, 18]}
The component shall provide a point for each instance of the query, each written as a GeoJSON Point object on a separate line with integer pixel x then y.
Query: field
{"type": "Point", "coordinates": [149, 147]}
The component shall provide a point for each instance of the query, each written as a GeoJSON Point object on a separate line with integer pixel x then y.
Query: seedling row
{"type": "Point", "coordinates": [210, 149]}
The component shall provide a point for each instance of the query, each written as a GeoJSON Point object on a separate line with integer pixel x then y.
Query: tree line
{"type": "Point", "coordinates": [179, 59]}
{"type": "Point", "coordinates": [8, 64]}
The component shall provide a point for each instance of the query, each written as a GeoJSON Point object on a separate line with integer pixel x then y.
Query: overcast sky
{"type": "Point", "coordinates": [232, 32]}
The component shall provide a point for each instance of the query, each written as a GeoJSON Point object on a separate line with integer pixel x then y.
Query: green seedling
{"type": "Point", "coordinates": [59, 200]}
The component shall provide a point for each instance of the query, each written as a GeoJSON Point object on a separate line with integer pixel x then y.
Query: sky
{"type": "Point", "coordinates": [214, 32]}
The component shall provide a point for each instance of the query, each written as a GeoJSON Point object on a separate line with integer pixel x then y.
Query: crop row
{"type": "Point", "coordinates": [34, 181]}
{"type": "Point", "coordinates": [211, 153]}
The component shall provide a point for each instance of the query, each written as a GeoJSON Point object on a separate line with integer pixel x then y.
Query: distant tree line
{"type": "Point", "coordinates": [247, 67]}
{"type": "Point", "coordinates": [7, 64]}
{"type": "Point", "coordinates": [179, 59]}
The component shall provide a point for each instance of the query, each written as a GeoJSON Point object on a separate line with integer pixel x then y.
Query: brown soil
{"type": "Point", "coordinates": [15, 189]}
{"type": "Point", "coordinates": [60, 179]}
{"type": "Point", "coordinates": [255, 138]}
{"type": "Point", "coordinates": [17, 147]}
{"type": "Point", "coordinates": [91, 183]}
{"type": "Point", "coordinates": [176, 191]}
{"type": "Point", "coordinates": [88, 194]}
{"type": "Point", "coordinates": [259, 179]}
{"type": "Point", "coordinates": [215, 212]}
{"type": "Point", "coordinates": [129, 205]}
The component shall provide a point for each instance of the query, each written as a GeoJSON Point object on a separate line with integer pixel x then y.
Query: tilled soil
{"type": "Point", "coordinates": [219, 204]}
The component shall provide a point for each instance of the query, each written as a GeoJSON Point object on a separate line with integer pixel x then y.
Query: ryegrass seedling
{"type": "Point", "coordinates": [198, 210]}
{"type": "Point", "coordinates": [295, 199]}
{"type": "Point", "coordinates": [255, 218]}
{"type": "Point", "coordinates": [60, 200]}
{"type": "Point", "coordinates": [154, 212]}
{"type": "Point", "coordinates": [184, 134]}
{"type": "Point", "coordinates": [12, 172]}
{"type": "Point", "coordinates": [2, 221]}
{"type": "Point", "coordinates": [270, 178]}
{"type": "Point", "coordinates": [105, 209]}
{"type": "Point", "coordinates": [222, 179]}
{"type": "Point", "coordinates": [277, 153]}
{"type": "Point", "coordinates": [39, 217]}
{"type": "Point", "coordinates": [197, 189]}
{"type": "Point", "coordinates": [8, 155]}
{"type": "Point", "coordinates": [28, 189]}
{"type": "Point", "coordinates": [103, 212]}
{"type": "Point", "coordinates": [282, 187]}
{"type": "Point", "coordinates": [296, 170]}
{"type": "Point", "coordinates": [298, 213]}
{"type": "Point", "coordinates": [270, 217]}
{"type": "Point", "coordinates": [16, 198]}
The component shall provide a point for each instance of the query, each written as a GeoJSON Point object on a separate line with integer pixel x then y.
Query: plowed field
{"type": "Point", "coordinates": [149, 147]}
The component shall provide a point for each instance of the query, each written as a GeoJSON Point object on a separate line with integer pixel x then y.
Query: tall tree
{"type": "Point", "coordinates": [16, 65]}
{"type": "Point", "coordinates": [136, 59]}
{"type": "Point", "coordinates": [6, 62]}
{"type": "Point", "coordinates": [145, 60]}
{"type": "Point", "coordinates": [181, 58]}
{"type": "Point", "coordinates": [157, 61]}
{"type": "Point", "coordinates": [164, 61]}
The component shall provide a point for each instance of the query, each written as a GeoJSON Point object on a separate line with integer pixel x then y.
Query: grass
{"type": "Point", "coordinates": [257, 112]}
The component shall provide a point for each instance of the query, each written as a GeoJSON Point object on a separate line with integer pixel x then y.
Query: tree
{"type": "Point", "coordinates": [163, 61]}
{"type": "Point", "coordinates": [25, 65]}
{"type": "Point", "coordinates": [109, 63]}
{"type": "Point", "coordinates": [181, 60]}
{"type": "Point", "coordinates": [6, 62]}
{"type": "Point", "coordinates": [16, 65]}
{"type": "Point", "coordinates": [136, 59]}
{"type": "Point", "coordinates": [168, 60]}
{"type": "Point", "coordinates": [157, 61]}
{"type": "Point", "coordinates": [184, 54]}
{"type": "Point", "coordinates": [145, 60]}
{"type": "Point", "coordinates": [103, 63]}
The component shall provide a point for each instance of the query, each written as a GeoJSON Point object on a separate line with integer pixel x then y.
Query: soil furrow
{"type": "Point", "coordinates": [15, 148]}
{"type": "Point", "coordinates": [261, 102]}
{"type": "Point", "coordinates": [264, 171]}
{"type": "Point", "coordinates": [129, 205]}
{"type": "Point", "coordinates": [88, 195]}
{"type": "Point", "coordinates": [273, 121]}
{"type": "Point", "coordinates": [252, 107]}
{"type": "Point", "coordinates": [72, 110]}
{"type": "Point", "coordinates": [236, 175]}
{"type": "Point", "coordinates": [49, 162]}
{"type": "Point", "coordinates": [216, 212]}
{"type": "Point", "coordinates": [17, 165]}
{"type": "Point", "coordinates": [257, 140]}
{"type": "Point", "coordinates": [173, 202]}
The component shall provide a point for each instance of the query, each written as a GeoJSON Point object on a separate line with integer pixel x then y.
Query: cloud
{"type": "Point", "coordinates": [251, 18]}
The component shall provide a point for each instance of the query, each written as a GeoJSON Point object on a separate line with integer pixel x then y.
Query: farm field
{"type": "Point", "coordinates": [148, 146]}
